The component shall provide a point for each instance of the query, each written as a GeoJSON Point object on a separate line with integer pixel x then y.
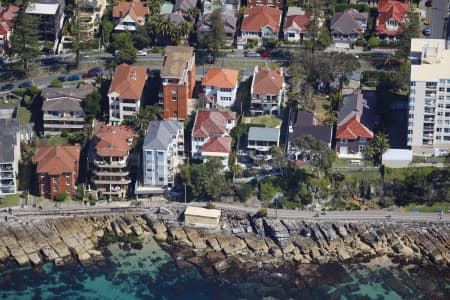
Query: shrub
{"type": "Point", "coordinates": [210, 206]}
{"type": "Point", "coordinates": [243, 192]}
{"type": "Point", "coordinates": [262, 213]}
{"type": "Point", "coordinates": [61, 197]}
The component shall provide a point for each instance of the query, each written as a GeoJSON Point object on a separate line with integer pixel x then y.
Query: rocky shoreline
{"type": "Point", "coordinates": [244, 242]}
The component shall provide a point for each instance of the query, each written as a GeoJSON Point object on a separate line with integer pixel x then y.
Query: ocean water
{"type": "Point", "coordinates": [151, 273]}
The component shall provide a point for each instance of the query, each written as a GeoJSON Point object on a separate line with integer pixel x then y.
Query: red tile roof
{"type": "Point", "coordinates": [353, 129]}
{"type": "Point", "coordinates": [135, 9]}
{"type": "Point", "coordinates": [390, 9]}
{"type": "Point", "coordinates": [57, 160]}
{"type": "Point", "coordinates": [7, 16]}
{"type": "Point", "coordinates": [211, 123]}
{"type": "Point", "coordinates": [221, 78]}
{"type": "Point", "coordinates": [299, 21]}
{"type": "Point", "coordinates": [257, 17]}
{"type": "Point", "coordinates": [113, 141]}
{"type": "Point", "coordinates": [128, 81]}
{"type": "Point", "coordinates": [268, 81]}
{"type": "Point", "coordinates": [218, 144]}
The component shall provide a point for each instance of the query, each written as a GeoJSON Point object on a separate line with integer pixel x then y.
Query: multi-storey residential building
{"type": "Point", "coordinates": [129, 15]}
{"type": "Point", "coordinates": [261, 139]}
{"type": "Point", "coordinates": [178, 79]}
{"type": "Point", "coordinates": [108, 161]}
{"type": "Point", "coordinates": [260, 22]}
{"type": "Point", "coordinates": [429, 97]}
{"type": "Point", "coordinates": [229, 22]}
{"type": "Point", "coordinates": [356, 121]}
{"type": "Point", "coordinates": [391, 17]}
{"type": "Point", "coordinates": [126, 92]}
{"type": "Point", "coordinates": [9, 150]}
{"type": "Point", "coordinates": [89, 15]}
{"type": "Point", "coordinates": [230, 7]}
{"type": "Point", "coordinates": [63, 109]}
{"type": "Point", "coordinates": [346, 27]}
{"type": "Point", "coordinates": [211, 135]}
{"type": "Point", "coordinates": [57, 169]}
{"type": "Point", "coordinates": [220, 86]}
{"type": "Point", "coordinates": [7, 17]}
{"type": "Point", "coordinates": [267, 91]}
{"type": "Point", "coordinates": [51, 19]}
{"type": "Point", "coordinates": [269, 3]}
{"type": "Point", "coordinates": [162, 152]}
{"type": "Point", "coordinates": [296, 24]}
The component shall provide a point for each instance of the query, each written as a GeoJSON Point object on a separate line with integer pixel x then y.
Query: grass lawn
{"type": "Point", "coordinates": [9, 103]}
{"type": "Point", "coordinates": [425, 208]}
{"type": "Point", "coordinates": [322, 106]}
{"type": "Point", "coordinates": [10, 200]}
{"type": "Point", "coordinates": [24, 115]}
{"type": "Point", "coordinates": [345, 162]}
{"type": "Point", "coordinates": [357, 176]}
{"type": "Point", "coordinates": [268, 121]}
{"type": "Point", "coordinates": [53, 141]}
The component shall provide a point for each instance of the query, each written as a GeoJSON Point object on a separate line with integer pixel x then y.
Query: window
{"type": "Point", "coordinates": [161, 178]}
{"type": "Point", "coordinates": [441, 89]}
{"type": "Point", "coordinates": [126, 108]}
{"type": "Point", "coordinates": [173, 91]}
{"type": "Point", "coordinates": [174, 98]}
{"type": "Point", "coordinates": [225, 89]}
{"type": "Point", "coordinates": [361, 148]}
{"type": "Point", "coordinates": [225, 98]}
{"type": "Point", "coordinates": [413, 83]}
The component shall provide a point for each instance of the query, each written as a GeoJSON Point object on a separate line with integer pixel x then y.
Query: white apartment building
{"type": "Point", "coordinates": [126, 92]}
{"type": "Point", "coordinates": [429, 98]}
{"type": "Point", "coordinates": [220, 86]}
{"type": "Point", "coordinates": [162, 152]}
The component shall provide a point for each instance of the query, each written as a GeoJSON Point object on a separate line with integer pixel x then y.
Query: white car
{"type": "Point", "coordinates": [141, 53]}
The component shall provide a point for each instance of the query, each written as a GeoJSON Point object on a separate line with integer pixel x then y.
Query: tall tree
{"type": "Point", "coordinates": [75, 32]}
{"type": "Point", "coordinates": [213, 40]}
{"type": "Point", "coordinates": [123, 43]}
{"type": "Point", "coordinates": [92, 106]}
{"type": "Point", "coordinates": [411, 30]}
{"type": "Point", "coordinates": [376, 147]}
{"type": "Point", "coordinates": [279, 159]}
{"type": "Point", "coordinates": [25, 38]}
{"type": "Point", "coordinates": [107, 28]}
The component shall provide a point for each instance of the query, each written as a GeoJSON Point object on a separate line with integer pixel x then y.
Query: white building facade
{"type": "Point", "coordinates": [429, 98]}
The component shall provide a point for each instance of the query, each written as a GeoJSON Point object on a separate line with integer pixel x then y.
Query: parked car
{"type": "Point", "coordinates": [7, 87]}
{"type": "Point", "coordinates": [264, 54]}
{"type": "Point", "coordinates": [141, 53]}
{"type": "Point", "coordinates": [96, 70]}
{"type": "Point", "coordinates": [25, 84]}
{"type": "Point", "coordinates": [61, 78]}
{"type": "Point", "coordinates": [84, 56]}
{"type": "Point", "coordinates": [251, 54]}
{"type": "Point", "coordinates": [426, 21]}
{"type": "Point", "coordinates": [73, 77]}
{"type": "Point", "coordinates": [429, 3]}
{"type": "Point", "coordinates": [426, 31]}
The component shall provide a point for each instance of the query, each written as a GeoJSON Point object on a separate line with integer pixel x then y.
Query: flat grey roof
{"type": "Point", "coordinates": [159, 134]}
{"type": "Point", "coordinates": [264, 134]}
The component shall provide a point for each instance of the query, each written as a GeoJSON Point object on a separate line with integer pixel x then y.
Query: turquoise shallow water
{"type": "Point", "coordinates": [151, 273]}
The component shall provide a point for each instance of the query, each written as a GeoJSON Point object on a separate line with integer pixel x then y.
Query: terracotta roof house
{"type": "Point", "coordinates": [211, 135]}
{"type": "Point", "coordinates": [57, 169]}
{"type": "Point", "coordinates": [346, 27]}
{"type": "Point", "coordinates": [355, 123]}
{"type": "Point", "coordinates": [296, 24]}
{"type": "Point", "coordinates": [267, 91]}
{"type": "Point", "coordinates": [129, 15]}
{"type": "Point", "coordinates": [63, 109]}
{"type": "Point", "coordinates": [260, 22]}
{"type": "Point", "coordinates": [7, 17]}
{"type": "Point", "coordinates": [108, 160]}
{"type": "Point", "coordinates": [126, 92]}
{"type": "Point", "coordinates": [229, 25]}
{"type": "Point", "coordinates": [178, 78]}
{"type": "Point", "coordinates": [303, 123]}
{"type": "Point", "coordinates": [220, 87]}
{"type": "Point", "coordinates": [391, 17]}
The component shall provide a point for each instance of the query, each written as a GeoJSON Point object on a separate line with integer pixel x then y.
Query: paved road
{"type": "Point", "coordinates": [76, 208]}
{"type": "Point", "coordinates": [437, 14]}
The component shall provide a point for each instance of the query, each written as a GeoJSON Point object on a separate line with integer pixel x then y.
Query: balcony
{"type": "Point", "coordinates": [112, 181]}
{"type": "Point", "coordinates": [6, 175]}
{"type": "Point", "coordinates": [109, 164]}
{"type": "Point", "coordinates": [101, 172]}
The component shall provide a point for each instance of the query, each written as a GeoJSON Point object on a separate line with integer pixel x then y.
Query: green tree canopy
{"type": "Point", "coordinates": [92, 106]}
{"type": "Point", "coordinates": [123, 43]}
{"type": "Point", "coordinates": [25, 39]}
{"type": "Point", "coordinates": [214, 39]}
{"type": "Point", "coordinates": [376, 147]}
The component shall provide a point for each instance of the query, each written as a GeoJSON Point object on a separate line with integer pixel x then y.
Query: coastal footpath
{"type": "Point", "coordinates": [243, 240]}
